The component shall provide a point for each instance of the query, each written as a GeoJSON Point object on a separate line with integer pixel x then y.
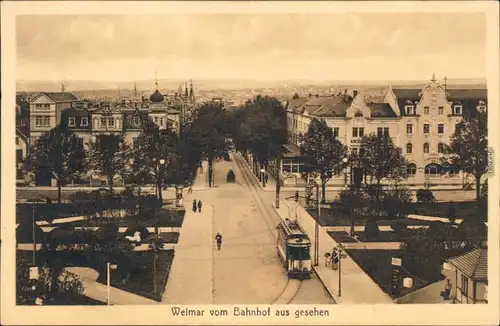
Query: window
{"type": "Point", "coordinates": [440, 110]}
{"type": "Point", "coordinates": [464, 285]}
{"type": "Point", "coordinates": [457, 127]}
{"type": "Point", "coordinates": [411, 170]}
{"type": "Point", "coordinates": [336, 132]}
{"type": "Point", "coordinates": [291, 166]}
{"type": "Point", "coordinates": [46, 121]}
{"type": "Point", "coordinates": [156, 120]}
{"type": "Point", "coordinates": [440, 128]}
{"type": "Point", "coordinates": [386, 132]}
{"type": "Point", "coordinates": [17, 140]}
{"type": "Point", "coordinates": [137, 121]}
{"type": "Point", "coordinates": [454, 171]}
{"type": "Point", "coordinates": [409, 109]}
{"type": "Point", "coordinates": [440, 148]}
{"type": "Point", "coordinates": [19, 156]}
{"type": "Point", "coordinates": [111, 122]}
{"type": "Point", "coordinates": [71, 121]}
{"type": "Point", "coordinates": [161, 121]}
{"type": "Point", "coordinates": [103, 122]}
{"type": "Point", "coordinates": [134, 142]}
{"type": "Point", "coordinates": [38, 121]}
{"type": "Point", "coordinates": [426, 110]}
{"type": "Point", "coordinates": [379, 132]}
{"type": "Point", "coordinates": [457, 109]}
{"type": "Point", "coordinates": [433, 170]}
{"type": "Point", "coordinates": [481, 108]}
{"type": "Point", "coordinates": [354, 151]}
{"type": "Point", "coordinates": [409, 129]}
{"type": "Point", "coordinates": [355, 132]}
{"type": "Point", "coordinates": [426, 147]}
{"type": "Point", "coordinates": [361, 132]}
{"type": "Point", "coordinates": [409, 148]}
{"type": "Point", "coordinates": [84, 122]}
{"type": "Point", "coordinates": [79, 142]}
{"type": "Point", "coordinates": [426, 128]}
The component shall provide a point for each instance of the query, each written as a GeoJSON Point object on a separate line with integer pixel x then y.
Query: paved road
{"type": "Point", "coordinates": [247, 269]}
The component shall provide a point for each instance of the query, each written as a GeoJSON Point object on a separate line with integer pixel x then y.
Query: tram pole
{"type": "Point", "coordinates": [316, 228]}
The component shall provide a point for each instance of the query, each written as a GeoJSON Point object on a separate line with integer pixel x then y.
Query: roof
{"type": "Point", "coordinates": [407, 93]}
{"type": "Point", "coordinates": [381, 110]}
{"type": "Point", "coordinates": [60, 96]}
{"type": "Point", "coordinates": [473, 264]}
{"type": "Point", "coordinates": [467, 94]}
{"type": "Point", "coordinates": [322, 106]}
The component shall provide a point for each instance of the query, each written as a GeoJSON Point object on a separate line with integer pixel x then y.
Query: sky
{"type": "Point", "coordinates": [331, 46]}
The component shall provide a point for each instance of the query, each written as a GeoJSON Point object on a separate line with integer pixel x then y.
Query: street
{"type": "Point", "coordinates": [247, 269]}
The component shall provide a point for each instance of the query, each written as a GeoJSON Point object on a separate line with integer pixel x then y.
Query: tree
{"type": "Point", "coordinates": [380, 158]}
{"type": "Point", "coordinates": [209, 134]}
{"type": "Point", "coordinates": [296, 96]}
{"type": "Point", "coordinates": [60, 152]}
{"type": "Point", "coordinates": [109, 155]}
{"type": "Point", "coordinates": [324, 149]}
{"type": "Point", "coordinates": [468, 148]}
{"type": "Point", "coordinates": [152, 145]}
{"type": "Point", "coordinates": [53, 283]}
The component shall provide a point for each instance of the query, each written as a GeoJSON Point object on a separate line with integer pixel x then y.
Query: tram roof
{"type": "Point", "coordinates": [292, 228]}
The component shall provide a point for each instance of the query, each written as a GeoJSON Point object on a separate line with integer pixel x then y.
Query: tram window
{"type": "Point", "coordinates": [300, 253]}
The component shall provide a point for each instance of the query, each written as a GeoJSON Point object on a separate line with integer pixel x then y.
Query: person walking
{"type": "Point", "coordinates": [335, 259]}
{"type": "Point", "coordinates": [218, 239]}
{"type": "Point", "coordinates": [266, 177]}
{"type": "Point", "coordinates": [199, 206]}
{"type": "Point", "coordinates": [194, 205]}
{"type": "Point", "coordinates": [190, 190]}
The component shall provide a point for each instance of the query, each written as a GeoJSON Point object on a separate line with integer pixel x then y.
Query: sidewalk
{"type": "Point", "coordinates": [190, 279]}
{"type": "Point", "coordinates": [357, 286]}
{"type": "Point", "coordinates": [98, 291]}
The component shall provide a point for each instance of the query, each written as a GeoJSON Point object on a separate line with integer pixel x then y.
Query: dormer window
{"type": "Point", "coordinates": [84, 122]}
{"type": "Point", "coordinates": [137, 121]}
{"type": "Point", "coordinates": [409, 109]}
{"type": "Point", "coordinates": [481, 108]}
{"type": "Point", "coordinates": [111, 122]}
{"type": "Point", "coordinates": [457, 109]}
{"type": "Point", "coordinates": [71, 121]}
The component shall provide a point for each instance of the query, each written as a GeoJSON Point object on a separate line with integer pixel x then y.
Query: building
{"type": "Point", "coordinates": [22, 134]}
{"type": "Point", "coordinates": [89, 119]}
{"type": "Point", "coordinates": [471, 276]}
{"type": "Point", "coordinates": [420, 121]}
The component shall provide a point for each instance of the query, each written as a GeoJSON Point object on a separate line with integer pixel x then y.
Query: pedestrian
{"type": "Point", "coordinates": [335, 259]}
{"type": "Point", "coordinates": [447, 290]}
{"type": "Point", "coordinates": [190, 190]}
{"type": "Point", "coordinates": [199, 206]}
{"type": "Point", "coordinates": [194, 205]}
{"type": "Point", "coordinates": [266, 177]}
{"type": "Point", "coordinates": [328, 259]}
{"type": "Point", "coordinates": [218, 238]}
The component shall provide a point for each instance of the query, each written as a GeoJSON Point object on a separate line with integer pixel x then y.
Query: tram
{"type": "Point", "coordinates": [293, 247]}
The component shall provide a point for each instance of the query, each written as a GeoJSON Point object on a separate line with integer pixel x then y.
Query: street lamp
{"type": "Point", "coordinates": [109, 267]}
{"type": "Point", "coordinates": [278, 187]}
{"type": "Point", "coordinates": [160, 180]}
{"type": "Point", "coordinates": [345, 160]}
{"type": "Point", "coordinates": [337, 258]}
{"type": "Point", "coordinates": [262, 173]}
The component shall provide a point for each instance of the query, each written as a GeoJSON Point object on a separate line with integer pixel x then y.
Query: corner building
{"type": "Point", "coordinates": [420, 122]}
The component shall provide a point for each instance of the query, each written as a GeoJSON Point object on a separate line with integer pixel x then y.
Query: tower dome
{"type": "Point", "coordinates": [156, 97]}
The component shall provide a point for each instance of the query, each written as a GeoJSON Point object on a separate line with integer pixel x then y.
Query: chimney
{"type": "Point", "coordinates": [310, 94]}
{"type": "Point", "coordinates": [355, 93]}
{"type": "Point", "coordinates": [345, 95]}
{"type": "Point", "coordinates": [317, 95]}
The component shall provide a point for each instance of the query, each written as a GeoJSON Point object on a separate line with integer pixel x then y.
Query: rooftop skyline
{"type": "Point", "coordinates": [330, 46]}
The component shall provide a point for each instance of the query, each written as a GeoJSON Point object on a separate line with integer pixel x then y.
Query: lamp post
{"type": "Point", "coordinates": [345, 160]}
{"type": "Point", "coordinates": [316, 228]}
{"type": "Point", "coordinates": [34, 236]}
{"type": "Point", "coordinates": [160, 179]}
{"type": "Point", "coordinates": [262, 173]}
{"type": "Point", "coordinates": [340, 247]}
{"type": "Point", "coordinates": [109, 266]}
{"type": "Point", "coordinates": [278, 188]}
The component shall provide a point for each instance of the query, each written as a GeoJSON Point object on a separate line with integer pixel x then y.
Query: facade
{"type": "Point", "coordinates": [471, 276]}
{"type": "Point", "coordinates": [420, 121]}
{"type": "Point", "coordinates": [88, 119]}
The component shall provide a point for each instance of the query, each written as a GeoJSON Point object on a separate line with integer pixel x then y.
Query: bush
{"type": "Point", "coordinates": [371, 229]}
{"type": "Point", "coordinates": [425, 196]}
{"type": "Point", "coordinates": [396, 200]}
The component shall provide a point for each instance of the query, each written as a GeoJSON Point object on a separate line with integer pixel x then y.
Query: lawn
{"type": "Point", "coordinates": [383, 236]}
{"type": "Point", "coordinates": [140, 281]}
{"type": "Point", "coordinates": [341, 237]}
{"type": "Point", "coordinates": [334, 217]}
{"type": "Point", "coordinates": [465, 210]}
{"type": "Point", "coordinates": [377, 264]}
{"type": "Point", "coordinates": [166, 218]}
